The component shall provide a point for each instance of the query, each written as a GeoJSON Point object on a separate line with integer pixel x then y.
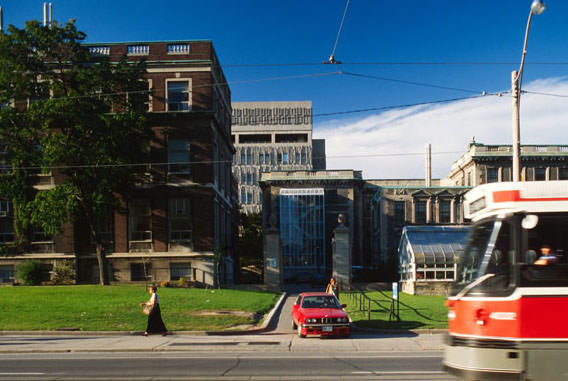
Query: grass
{"type": "Point", "coordinates": [116, 308]}
{"type": "Point", "coordinates": [416, 311]}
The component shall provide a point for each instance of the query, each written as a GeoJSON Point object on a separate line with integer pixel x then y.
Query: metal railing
{"type": "Point", "coordinates": [364, 304]}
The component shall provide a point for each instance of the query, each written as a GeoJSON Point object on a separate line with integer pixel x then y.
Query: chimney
{"type": "Point", "coordinates": [44, 14]}
{"type": "Point", "coordinates": [50, 18]}
{"type": "Point", "coordinates": [1, 21]}
{"type": "Point", "coordinates": [428, 165]}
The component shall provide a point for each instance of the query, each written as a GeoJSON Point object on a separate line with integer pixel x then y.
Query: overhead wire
{"type": "Point", "coordinates": [332, 56]}
{"type": "Point", "coordinates": [207, 162]}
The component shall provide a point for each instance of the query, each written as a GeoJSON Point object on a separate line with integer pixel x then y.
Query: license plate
{"type": "Point", "coordinates": [327, 328]}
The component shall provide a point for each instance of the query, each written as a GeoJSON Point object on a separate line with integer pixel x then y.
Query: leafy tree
{"type": "Point", "coordinates": [250, 240]}
{"type": "Point", "coordinates": [78, 117]}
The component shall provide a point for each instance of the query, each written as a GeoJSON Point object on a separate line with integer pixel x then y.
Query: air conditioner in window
{"type": "Point", "coordinates": [3, 213]}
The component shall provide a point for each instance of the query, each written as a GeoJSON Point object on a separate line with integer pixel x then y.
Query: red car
{"type": "Point", "coordinates": [319, 313]}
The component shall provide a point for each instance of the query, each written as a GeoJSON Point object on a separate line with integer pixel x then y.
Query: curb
{"type": "Point", "coordinates": [263, 327]}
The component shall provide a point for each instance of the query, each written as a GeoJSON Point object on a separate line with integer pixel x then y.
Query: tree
{"type": "Point", "coordinates": [250, 240]}
{"type": "Point", "coordinates": [70, 114]}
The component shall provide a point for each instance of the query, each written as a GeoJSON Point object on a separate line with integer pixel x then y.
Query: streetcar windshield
{"type": "Point", "coordinates": [489, 253]}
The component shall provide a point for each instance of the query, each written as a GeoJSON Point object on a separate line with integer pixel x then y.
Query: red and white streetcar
{"type": "Point", "coordinates": [508, 308]}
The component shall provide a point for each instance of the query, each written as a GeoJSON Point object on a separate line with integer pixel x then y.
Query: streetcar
{"type": "Point", "coordinates": [508, 307]}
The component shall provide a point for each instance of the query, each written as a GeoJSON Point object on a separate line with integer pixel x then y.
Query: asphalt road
{"type": "Point", "coordinates": [414, 366]}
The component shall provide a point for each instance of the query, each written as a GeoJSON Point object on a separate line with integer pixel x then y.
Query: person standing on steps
{"type": "Point", "coordinates": [155, 322]}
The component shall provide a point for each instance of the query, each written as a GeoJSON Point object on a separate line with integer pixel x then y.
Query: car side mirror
{"type": "Point", "coordinates": [343, 305]}
{"type": "Point", "coordinates": [295, 306]}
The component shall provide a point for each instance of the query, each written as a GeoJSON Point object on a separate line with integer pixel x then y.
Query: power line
{"type": "Point", "coordinates": [546, 94]}
{"type": "Point", "coordinates": [402, 105]}
{"type": "Point", "coordinates": [412, 83]}
{"type": "Point", "coordinates": [392, 63]}
{"type": "Point", "coordinates": [332, 56]}
{"type": "Point", "coordinates": [149, 165]}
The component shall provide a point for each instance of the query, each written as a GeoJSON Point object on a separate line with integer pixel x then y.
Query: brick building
{"type": "Point", "coordinates": [184, 207]}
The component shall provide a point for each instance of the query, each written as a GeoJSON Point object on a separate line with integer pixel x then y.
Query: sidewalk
{"type": "Point", "coordinates": [260, 342]}
{"type": "Point", "coordinates": [274, 335]}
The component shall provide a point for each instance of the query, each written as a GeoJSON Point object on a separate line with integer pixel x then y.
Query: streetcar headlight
{"type": "Point", "coordinates": [310, 321]}
{"type": "Point", "coordinates": [342, 320]}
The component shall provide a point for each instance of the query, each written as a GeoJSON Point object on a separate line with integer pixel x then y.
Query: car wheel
{"type": "Point", "coordinates": [294, 326]}
{"type": "Point", "coordinates": [300, 331]}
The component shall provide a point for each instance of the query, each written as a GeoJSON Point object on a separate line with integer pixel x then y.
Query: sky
{"type": "Point", "coordinates": [418, 67]}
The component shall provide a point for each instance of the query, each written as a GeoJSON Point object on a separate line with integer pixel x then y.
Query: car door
{"type": "Point", "coordinates": [296, 308]}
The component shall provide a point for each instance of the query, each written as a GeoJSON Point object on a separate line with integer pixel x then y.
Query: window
{"type": "Point", "coordinates": [492, 175]}
{"type": "Point", "coordinates": [243, 178]}
{"type": "Point", "coordinates": [6, 274]}
{"type": "Point", "coordinates": [249, 156]}
{"type": "Point", "coordinates": [540, 174]}
{"type": "Point", "coordinates": [249, 198]}
{"type": "Point", "coordinates": [178, 98]}
{"type": "Point", "coordinates": [445, 211]}
{"type": "Point", "coordinates": [105, 228]}
{"type": "Point", "coordinates": [179, 156]}
{"type": "Point", "coordinates": [140, 271]}
{"type": "Point", "coordinates": [140, 220]}
{"type": "Point", "coordinates": [243, 158]}
{"type": "Point", "coordinates": [285, 158]}
{"type": "Point", "coordinates": [249, 179]}
{"type": "Point", "coordinates": [254, 178]}
{"type": "Point", "coordinates": [420, 212]}
{"type": "Point", "coordinates": [399, 212]}
{"type": "Point", "coordinates": [261, 158]}
{"type": "Point", "coordinates": [279, 158]}
{"type": "Point", "coordinates": [179, 215]}
{"type": "Point", "coordinates": [243, 196]}
{"type": "Point", "coordinates": [562, 173]}
{"type": "Point", "coordinates": [180, 270]}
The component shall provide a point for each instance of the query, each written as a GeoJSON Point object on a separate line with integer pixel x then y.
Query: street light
{"type": "Point", "coordinates": [537, 7]}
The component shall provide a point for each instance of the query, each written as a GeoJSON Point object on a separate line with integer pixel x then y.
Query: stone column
{"type": "Point", "coordinates": [272, 248]}
{"type": "Point", "coordinates": [341, 247]}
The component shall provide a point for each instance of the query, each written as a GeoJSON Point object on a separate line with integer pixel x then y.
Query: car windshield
{"type": "Point", "coordinates": [324, 301]}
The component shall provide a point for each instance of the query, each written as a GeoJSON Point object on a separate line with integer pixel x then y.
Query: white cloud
{"type": "Point", "coordinates": [397, 138]}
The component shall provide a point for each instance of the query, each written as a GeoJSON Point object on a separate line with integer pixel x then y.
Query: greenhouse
{"type": "Point", "coordinates": [427, 257]}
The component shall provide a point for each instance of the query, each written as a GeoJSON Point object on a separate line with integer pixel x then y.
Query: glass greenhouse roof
{"type": "Point", "coordinates": [434, 245]}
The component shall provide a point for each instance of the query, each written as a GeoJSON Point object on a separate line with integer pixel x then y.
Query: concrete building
{"type": "Point", "coordinates": [184, 207]}
{"type": "Point", "coordinates": [334, 223]}
{"type": "Point", "coordinates": [302, 212]}
{"type": "Point", "coordinates": [271, 136]}
{"type": "Point", "coordinates": [483, 164]}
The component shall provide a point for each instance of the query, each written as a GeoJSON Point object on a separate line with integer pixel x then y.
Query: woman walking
{"type": "Point", "coordinates": [155, 322]}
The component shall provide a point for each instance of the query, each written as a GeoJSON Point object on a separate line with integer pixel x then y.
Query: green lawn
{"type": "Point", "coordinates": [415, 311]}
{"type": "Point", "coordinates": [116, 308]}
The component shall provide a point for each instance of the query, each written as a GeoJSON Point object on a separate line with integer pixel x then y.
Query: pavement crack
{"type": "Point", "coordinates": [349, 363]}
{"type": "Point", "coordinates": [236, 365]}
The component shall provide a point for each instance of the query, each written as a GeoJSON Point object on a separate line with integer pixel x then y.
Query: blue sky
{"type": "Point", "coordinates": [476, 45]}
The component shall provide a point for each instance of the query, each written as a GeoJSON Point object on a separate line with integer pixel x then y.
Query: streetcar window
{"type": "Point", "coordinates": [545, 259]}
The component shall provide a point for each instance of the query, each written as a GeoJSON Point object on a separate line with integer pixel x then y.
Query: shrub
{"type": "Point", "coordinates": [182, 282]}
{"type": "Point", "coordinates": [64, 272]}
{"type": "Point", "coordinates": [30, 272]}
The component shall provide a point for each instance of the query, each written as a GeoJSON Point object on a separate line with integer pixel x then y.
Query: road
{"type": "Point", "coordinates": [223, 366]}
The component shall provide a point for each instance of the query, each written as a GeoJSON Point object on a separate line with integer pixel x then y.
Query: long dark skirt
{"type": "Point", "coordinates": [155, 322]}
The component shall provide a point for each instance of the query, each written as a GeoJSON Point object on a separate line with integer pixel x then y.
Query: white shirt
{"type": "Point", "coordinates": [154, 299]}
